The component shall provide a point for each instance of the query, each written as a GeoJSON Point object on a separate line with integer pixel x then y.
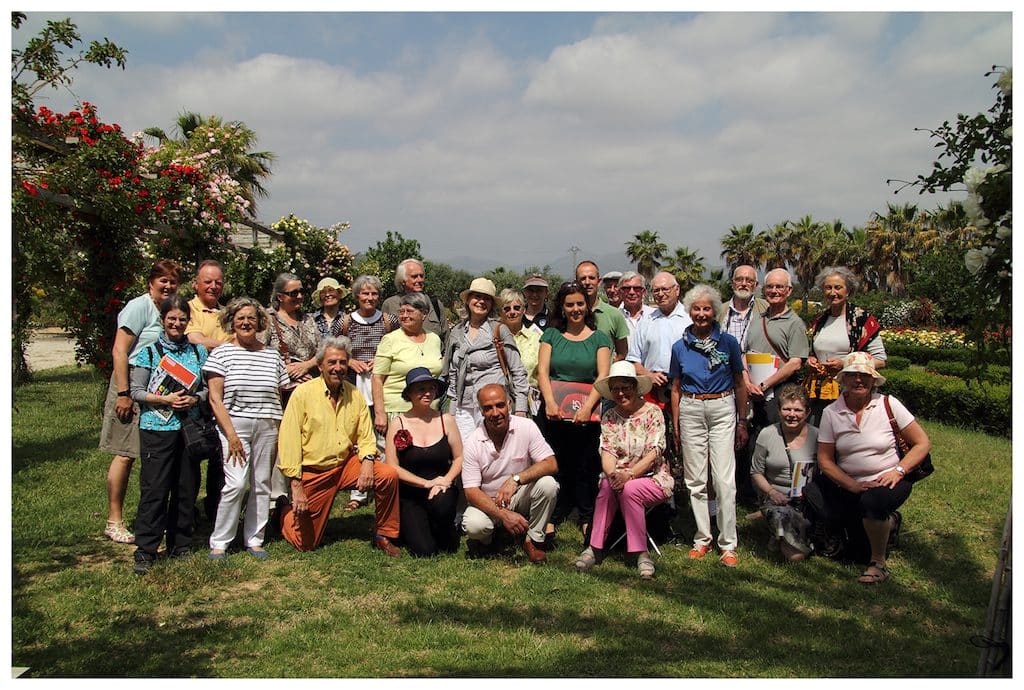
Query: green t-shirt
{"type": "Point", "coordinates": [574, 360]}
{"type": "Point", "coordinates": [611, 322]}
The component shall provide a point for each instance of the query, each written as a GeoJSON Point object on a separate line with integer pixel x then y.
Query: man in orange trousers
{"type": "Point", "coordinates": [326, 443]}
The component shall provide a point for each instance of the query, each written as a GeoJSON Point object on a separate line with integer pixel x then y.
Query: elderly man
{"type": "Point", "coordinates": [650, 346]}
{"type": "Point", "coordinates": [535, 290]}
{"type": "Point", "coordinates": [508, 476]}
{"type": "Point", "coordinates": [633, 288]}
{"type": "Point", "coordinates": [204, 329]}
{"type": "Point", "coordinates": [609, 319]}
{"type": "Point", "coordinates": [610, 283]}
{"type": "Point", "coordinates": [410, 277]}
{"type": "Point", "coordinates": [326, 443]}
{"type": "Point", "coordinates": [735, 319]}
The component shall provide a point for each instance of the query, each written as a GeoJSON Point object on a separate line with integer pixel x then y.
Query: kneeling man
{"type": "Point", "coordinates": [326, 444]}
{"type": "Point", "coordinates": [508, 475]}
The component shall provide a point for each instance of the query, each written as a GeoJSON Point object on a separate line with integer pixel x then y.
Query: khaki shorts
{"type": "Point", "coordinates": [117, 437]}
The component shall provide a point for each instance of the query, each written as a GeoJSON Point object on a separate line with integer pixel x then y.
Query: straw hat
{"type": "Point", "coordinates": [326, 283]}
{"type": "Point", "coordinates": [623, 370]}
{"type": "Point", "coordinates": [481, 286]}
{"type": "Point", "coordinates": [860, 362]}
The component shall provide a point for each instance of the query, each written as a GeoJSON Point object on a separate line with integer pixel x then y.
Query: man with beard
{"type": "Point", "coordinates": [736, 317]}
{"type": "Point", "coordinates": [410, 277]}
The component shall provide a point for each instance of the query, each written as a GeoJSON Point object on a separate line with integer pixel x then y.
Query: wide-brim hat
{"type": "Point", "coordinates": [536, 281]}
{"type": "Point", "coordinates": [862, 363]}
{"type": "Point", "coordinates": [482, 286]}
{"type": "Point", "coordinates": [326, 283]}
{"type": "Point", "coordinates": [416, 375]}
{"type": "Point", "coordinates": [623, 370]}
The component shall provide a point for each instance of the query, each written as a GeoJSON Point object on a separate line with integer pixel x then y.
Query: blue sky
{"type": "Point", "coordinates": [505, 139]}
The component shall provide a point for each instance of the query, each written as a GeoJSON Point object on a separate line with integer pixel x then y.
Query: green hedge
{"type": "Point", "coordinates": [985, 407]}
{"type": "Point", "coordinates": [919, 354]}
{"type": "Point", "coordinates": [994, 373]}
{"type": "Point", "coordinates": [896, 362]}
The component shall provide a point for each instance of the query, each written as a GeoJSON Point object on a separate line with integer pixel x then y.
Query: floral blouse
{"type": "Point", "coordinates": [630, 438]}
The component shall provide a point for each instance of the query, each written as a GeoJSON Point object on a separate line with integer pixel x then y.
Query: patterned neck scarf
{"type": "Point", "coordinates": [708, 347]}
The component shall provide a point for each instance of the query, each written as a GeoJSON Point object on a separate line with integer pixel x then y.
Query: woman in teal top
{"type": "Point", "coordinates": [573, 350]}
{"type": "Point", "coordinates": [168, 476]}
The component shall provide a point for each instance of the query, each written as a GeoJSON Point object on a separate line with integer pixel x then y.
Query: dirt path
{"type": "Point", "coordinates": [49, 348]}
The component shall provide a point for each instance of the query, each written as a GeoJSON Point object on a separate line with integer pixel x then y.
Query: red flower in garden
{"type": "Point", "coordinates": [30, 188]}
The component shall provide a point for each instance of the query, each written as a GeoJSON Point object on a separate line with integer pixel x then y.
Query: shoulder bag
{"type": "Point", "coordinates": [923, 470]}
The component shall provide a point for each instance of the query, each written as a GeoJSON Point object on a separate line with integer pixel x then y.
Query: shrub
{"type": "Point", "coordinates": [993, 373]}
{"type": "Point", "coordinates": [952, 400]}
{"type": "Point", "coordinates": [896, 362]}
{"type": "Point", "coordinates": [922, 354]}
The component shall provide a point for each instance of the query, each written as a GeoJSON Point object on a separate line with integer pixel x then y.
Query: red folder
{"type": "Point", "coordinates": [570, 397]}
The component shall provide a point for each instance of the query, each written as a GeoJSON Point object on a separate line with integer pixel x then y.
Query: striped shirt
{"type": "Point", "coordinates": [251, 380]}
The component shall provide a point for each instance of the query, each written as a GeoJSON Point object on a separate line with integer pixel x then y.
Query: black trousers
{"type": "Point", "coordinates": [167, 481]}
{"type": "Point", "coordinates": [214, 485]}
{"type": "Point", "coordinates": [428, 526]}
{"type": "Point", "coordinates": [577, 450]}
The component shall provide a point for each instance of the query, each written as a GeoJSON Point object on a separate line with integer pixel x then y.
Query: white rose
{"type": "Point", "coordinates": [1003, 232]}
{"type": "Point", "coordinates": [974, 260]}
{"type": "Point", "coordinates": [974, 177]}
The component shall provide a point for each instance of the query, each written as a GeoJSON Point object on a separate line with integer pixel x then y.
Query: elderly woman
{"type": "Point", "coordinates": [425, 447]}
{"type": "Point", "coordinates": [291, 331]}
{"type": "Point", "coordinates": [784, 456]}
{"type": "Point", "coordinates": [513, 312]}
{"type": "Point", "coordinates": [857, 451]}
{"type": "Point", "coordinates": [708, 397]}
{"type": "Point", "coordinates": [167, 480]}
{"type": "Point", "coordinates": [245, 379]}
{"type": "Point", "coordinates": [481, 350]}
{"type": "Point", "coordinates": [635, 474]}
{"type": "Point", "coordinates": [329, 317]}
{"type": "Point", "coordinates": [572, 350]}
{"type": "Point", "coordinates": [839, 330]}
{"type": "Point", "coordinates": [399, 352]}
{"type": "Point", "coordinates": [138, 326]}
{"type": "Point", "coordinates": [365, 327]}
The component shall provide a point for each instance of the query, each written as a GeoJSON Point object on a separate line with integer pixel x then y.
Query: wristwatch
{"type": "Point", "coordinates": [899, 468]}
{"type": "Point", "coordinates": [123, 394]}
{"type": "Point", "coordinates": [515, 478]}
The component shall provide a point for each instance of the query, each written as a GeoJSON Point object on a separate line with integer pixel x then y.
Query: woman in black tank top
{"type": "Point", "coordinates": [425, 447]}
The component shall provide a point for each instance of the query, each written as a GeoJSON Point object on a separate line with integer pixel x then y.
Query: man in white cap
{"type": "Point", "coordinates": [535, 290]}
{"type": "Point", "coordinates": [410, 277]}
{"type": "Point", "coordinates": [610, 281]}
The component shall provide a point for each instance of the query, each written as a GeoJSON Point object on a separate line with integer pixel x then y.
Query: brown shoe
{"type": "Point", "coordinates": [385, 545]}
{"type": "Point", "coordinates": [534, 552]}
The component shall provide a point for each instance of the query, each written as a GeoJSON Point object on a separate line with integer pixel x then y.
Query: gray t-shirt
{"type": "Point", "coordinates": [771, 460]}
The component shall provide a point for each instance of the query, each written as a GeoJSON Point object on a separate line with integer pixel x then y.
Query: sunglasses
{"type": "Point", "coordinates": [292, 293]}
{"type": "Point", "coordinates": [632, 288]}
{"type": "Point", "coordinates": [512, 307]}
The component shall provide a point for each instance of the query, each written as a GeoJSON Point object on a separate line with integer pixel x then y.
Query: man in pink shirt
{"type": "Point", "coordinates": [507, 473]}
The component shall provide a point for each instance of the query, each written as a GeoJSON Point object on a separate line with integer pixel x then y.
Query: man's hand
{"type": "Point", "coordinates": [659, 378]}
{"type": "Point", "coordinates": [755, 390]}
{"type": "Point", "coordinates": [505, 492]}
{"type": "Point", "coordinates": [365, 480]}
{"type": "Point", "coordinates": [123, 409]}
{"type": "Point", "coordinates": [380, 420]}
{"type": "Point", "coordinates": [299, 503]}
{"type": "Point", "coordinates": [742, 434]}
{"type": "Point", "coordinates": [513, 522]}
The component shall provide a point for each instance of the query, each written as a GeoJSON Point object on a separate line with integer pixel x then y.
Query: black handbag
{"type": "Point", "coordinates": [200, 434]}
{"type": "Point", "coordinates": [925, 468]}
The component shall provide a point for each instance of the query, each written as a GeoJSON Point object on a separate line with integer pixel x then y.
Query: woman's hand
{"type": "Point", "coordinates": [889, 479]}
{"type": "Point", "coordinates": [832, 366]}
{"type": "Point", "coordinates": [380, 419]}
{"type": "Point", "coordinates": [297, 371]}
{"type": "Point", "coordinates": [551, 410]}
{"type": "Point", "coordinates": [778, 498]}
{"type": "Point", "coordinates": [437, 486]}
{"type": "Point", "coordinates": [123, 409]}
{"type": "Point", "coordinates": [618, 479]}
{"type": "Point", "coordinates": [236, 453]}
{"type": "Point", "coordinates": [582, 415]}
{"type": "Point", "coordinates": [360, 367]}
{"type": "Point", "coordinates": [180, 400]}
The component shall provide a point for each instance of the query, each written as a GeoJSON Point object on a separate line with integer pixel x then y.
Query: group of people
{"type": "Point", "coordinates": [521, 416]}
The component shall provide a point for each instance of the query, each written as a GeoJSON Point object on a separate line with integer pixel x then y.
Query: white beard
{"type": "Point", "coordinates": [743, 294]}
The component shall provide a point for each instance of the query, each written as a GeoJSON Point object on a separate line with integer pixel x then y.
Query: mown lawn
{"type": "Point", "coordinates": [345, 610]}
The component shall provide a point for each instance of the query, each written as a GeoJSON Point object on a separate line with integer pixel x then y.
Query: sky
{"type": "Point", "coordinates": [511, 138]}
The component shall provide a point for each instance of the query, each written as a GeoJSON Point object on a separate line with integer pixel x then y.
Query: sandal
{"type": "Point", "coordinates": [117, 532]}
{"type": "Point", "coordinates": [645, 566]}
{"type": "Point", "coordinates": [880, 574]}
{"type": "Point", "coordinates": [353, 505]}
{"type": "Point", "coordinates": [587, 560]}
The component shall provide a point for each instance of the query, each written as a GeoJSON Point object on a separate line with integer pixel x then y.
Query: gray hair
{"type": "Point", "coordinates": [789, 278]}
{"type": "Point", "coordinates": [630, 275]}
{"type": "Point", "coordinates": [416, 299]}
{"type": "Point", "coordinates": [366, 281]}
{"type": "Point", "coordinates": [332, 342]}
{"type": "Point", "coordinates": [227, 314]}
{"type": "Point", "coordinates": [703, 291]}
{"type": "Point", "coordinates": [511, 295]}
{"type": "Point", "coordinates": [279, 283]}
{"type": "Point", "coordinates": [852, 283]}
{"type": "Point", "coordinates": [400, 271]}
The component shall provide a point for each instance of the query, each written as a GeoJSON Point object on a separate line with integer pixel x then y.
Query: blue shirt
{"type": "Point", "coordinates": [191, 357]}
{"type": "Point", "coordinates": [651, 343]}
{"type": "Point", "coordinates": [691, 365]}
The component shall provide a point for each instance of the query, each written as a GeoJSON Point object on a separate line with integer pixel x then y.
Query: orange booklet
{"type": "Point", "coordinates": [570, 397]}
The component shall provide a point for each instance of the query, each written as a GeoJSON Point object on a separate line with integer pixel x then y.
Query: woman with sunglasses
{"type": "Point", "coordinates": [573, 350]}
{"type": "Point", "coordinates": [481, 350]}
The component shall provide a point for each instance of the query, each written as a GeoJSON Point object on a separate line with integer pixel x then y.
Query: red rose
{"type": "Point", "coordinates": [403, 439]}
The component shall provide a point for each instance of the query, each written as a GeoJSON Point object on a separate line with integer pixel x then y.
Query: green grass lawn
{"type": "Point", "coordinates": [346, 610]}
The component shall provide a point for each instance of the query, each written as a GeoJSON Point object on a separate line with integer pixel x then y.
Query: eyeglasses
{"type": "Point", "coordinates": [632, 288]}
{"type": "Point", "coordinates": [512, 307]}
{"type": "Point", "coordinates": [748, 281]}
{"type": "Point", "coordinates": [776, 287]}
{"type": "Point", "coordinates": [662, 291]}
{"type": "Point", "coordinates": [292, 293]}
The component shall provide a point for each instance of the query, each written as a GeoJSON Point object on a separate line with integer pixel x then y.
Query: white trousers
{"type": "Point", "coordinates": [467, 419]}
{"type": "Point", "coordinates": [534, 501]}
{"type": "Point", "coordinates": [259, 440]}
{"type": "Point", "coordinates": [707, 429]}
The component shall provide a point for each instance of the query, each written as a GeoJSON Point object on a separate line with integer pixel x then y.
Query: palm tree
{"type": "Point", "coordinates": [895, 240]}
{"type": "Point", "coordinates": [686, 266]}
{"type": "Point", "coordinates": [646, 250]}
{"type": "Point", "coordinates": [234, 157]}
{"type": "Point", "coordinates": [776, 245]}
{"type": "Point", "coordinates": [740, 246]}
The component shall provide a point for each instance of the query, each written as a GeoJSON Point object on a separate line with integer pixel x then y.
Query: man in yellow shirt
{"type": "Point", "coordinates": [204, 325]}
{"type": "Point", "coordinates": [326, 443]}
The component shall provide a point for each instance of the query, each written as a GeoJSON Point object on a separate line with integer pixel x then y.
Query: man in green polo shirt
{"type": "Point", "coordinates": [609, 319]}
